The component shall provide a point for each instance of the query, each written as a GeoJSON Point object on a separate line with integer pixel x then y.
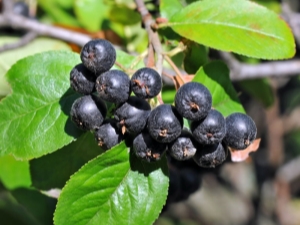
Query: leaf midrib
{"type": "Point", "coordinates": [222, 24]}
{"type": "Point", "coordinates": [117, 187]}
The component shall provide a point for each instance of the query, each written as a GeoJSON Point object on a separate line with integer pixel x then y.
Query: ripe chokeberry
{"type": "Point", "coordinates": [146, 83]}
{"type": "Point", "coordinates": [193, 101]}
{"type": "Point", "coordinates": [211, 129]}
{"type": "Point", "coordinates": [98, 56]}
{"type": "Point", "coordinates": [146, 148]}
{"type": "Point", "coordinates": [164, 123]}
{"type": "Point", "coordinates": [88, 112]}
{"type": "Point", "coordinates": [132, 115]}
{"type": "Point", "coordinates": [210, 156]}
{"type": "Point", "coordinates": [82, 80]}
{"type": "Point", "coordinates": [240, 131]}
{"type": "Point", "coordinates": [113, 86]}
{"type": "Point", "coordinates": [21, 8]}
{"type": "Point", "coordinates": [190, 182]}
{"type": "Point", "coordinates": [108, 134]}
{"type": "Point", "coordinates": [183, 147]}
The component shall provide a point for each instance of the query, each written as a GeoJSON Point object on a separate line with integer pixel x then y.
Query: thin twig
{"type": "Point", "coordinates": [152, 36]}
{"type": "Point", "coordinates": [27, 38]}
{"type": "Point", "coordinates": [243, 71]}
{"type": "Point", "coordinates": [23, 23]}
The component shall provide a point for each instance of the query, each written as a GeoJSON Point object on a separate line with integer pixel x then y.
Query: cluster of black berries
{"type": "Point", "coordinates": [160, 129]}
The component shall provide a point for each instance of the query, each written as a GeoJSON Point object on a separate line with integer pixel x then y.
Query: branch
{"type": "Point", "coordinates": [20, 22]}
{"type": "Point", "coordinates": [152, 36]}
{"type": "Point", "coordinates": [243, 71]}
{"type": "Point", "coordinates": [27, 38]}
{"type": "Point", "coordinates": [292, 18]}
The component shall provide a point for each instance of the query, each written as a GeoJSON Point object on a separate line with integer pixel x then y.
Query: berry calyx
{"type": "Point", "coordinates": [210, 156]}
{"type": "Point", "coordinates": [146, 83]}
{"type": "Point", "coordinates": [108, 134]}
{"type": "Point", "coordinates": [146, 148]}
{"type": "Point", "coordinates": [113, 86]}
{"type": "Point", "coordinates": [193, 101]}
{"type": "Point", "coordinates": [132, 115]}
{"type": "Point", "coordinates": [211, 129]}
{"type": "Point", "coordinates": [183, 147]}
{"type": "Point", "coordinates": [164, 123]}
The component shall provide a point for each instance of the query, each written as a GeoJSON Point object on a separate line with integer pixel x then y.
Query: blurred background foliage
{"type": "Point", "coordinates": [264, 190]}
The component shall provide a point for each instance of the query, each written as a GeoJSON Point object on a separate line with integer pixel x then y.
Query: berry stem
{"type": "Point", "coordinates": [180, 48]}
{"type": "Point", "coordinates": [152, 35]}
{"type": "Point", "coordinates": [178, 77]}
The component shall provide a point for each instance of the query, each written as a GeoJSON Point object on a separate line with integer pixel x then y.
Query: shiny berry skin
{"type": "Point", "coordinates": [88, 112]}
{"type": "Point", "coordinates": [164, 123]}
{"type": "Point", "coordinates": [210, 156]}
{"type": "Point", "coordinates": [98, 56]}
{"type": "Point", "coordinates": [146, 148]}
{"type": "Point", "coordinates": [211, 129]}
{"type": "Point", "coordinates": [108, 134]}
{"type": "Point", "coordinates": [132, 115]}
{"type": "Point", "coordinates": [113, 86]}
{"type": "Point", "coordinates": [82, 80]}
{"type": "Point", "coordinates": [183, 147]}
{"type": "Point", "coordinates": [240, 131]}
{"type": "Point", "coordinates": [146, 83]}
{"type": "Point", "coordinates": [193, 101]}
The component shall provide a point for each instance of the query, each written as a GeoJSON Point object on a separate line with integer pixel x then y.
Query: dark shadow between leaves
{"type": "Point", "coordinates": [146, 168]}
{"type": "Point", "coordinates": [66, 102]}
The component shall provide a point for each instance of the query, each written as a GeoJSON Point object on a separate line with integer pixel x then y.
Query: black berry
{"type": "Point", "coordinates": [240, 131]}
{"type": "Point", "coordinates": [108, 135]}
{"type": "Point", "coordinates": [210, 156]}
{"type": "Point", "coordinates": [190, 182]}
{"type": "Point", "coordinates": [98, 56]}
{"type": "Point", "coordinates": [21, 8]}
{"type": "Point", "coordinates": [88, 112]}
{"type": "Point", "coordinates": [146, 148]}
{"type": "Point", "coordinates": [113, 86]}
{"type": "Point", "coordinates": [132, 115]}
{"type": "Point", "coordinates": [183, 147]}
{"type": "Point", "coordinates": [164, 123]}
{"type": "Point", "coordinates": [146, 83]}
{"type": "Point", "coordinates": [174, 185]}
{"type": "Point", "coordinates": [193, 101]}
{"type": "Point", "coordinates": [211, 129]}
{"type": "Point", "coordinates": [82, 80]}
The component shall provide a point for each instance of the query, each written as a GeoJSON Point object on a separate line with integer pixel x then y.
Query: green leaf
{"type": "Point", "coordinates": [168, 95]}
{"type": "Point", "coordinates": [34, 118]}
{"type": "Point", "coordinates": [39, 206]}
{"type": "Point", "coordinates": [235, 25]}
{"type": "Point", "coordinates": [215, 76]}
{"type": "Point", "coordinates": [128, 62]}
{"type": "Point", "coordinates": [91, 13]}
{"type": "Point", "coordinates": [115, 188]}
{"type": "Point", "coordinates": [259, 89]}
{"type": "Point", "coordinates": [13, 213]}
{"type": "Point", "coordinates": [270, 4]}
{"type": "Point", "coordinates": [57, 13]}
{"type": "Point", "coordinates": [195, 56]}
{"type": "Point", "coordinates": [8, 58]}
{"type": "Point", "coordinates": [124, 15]}
{"type": "Point", "coordinates": [53, 170]}
{"type": "Point", "coordinates": [14, 173]}
{"type": "Point", "coordinates": [168, 8]}
{"type": "Point", "coordinates": [24, 206]}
